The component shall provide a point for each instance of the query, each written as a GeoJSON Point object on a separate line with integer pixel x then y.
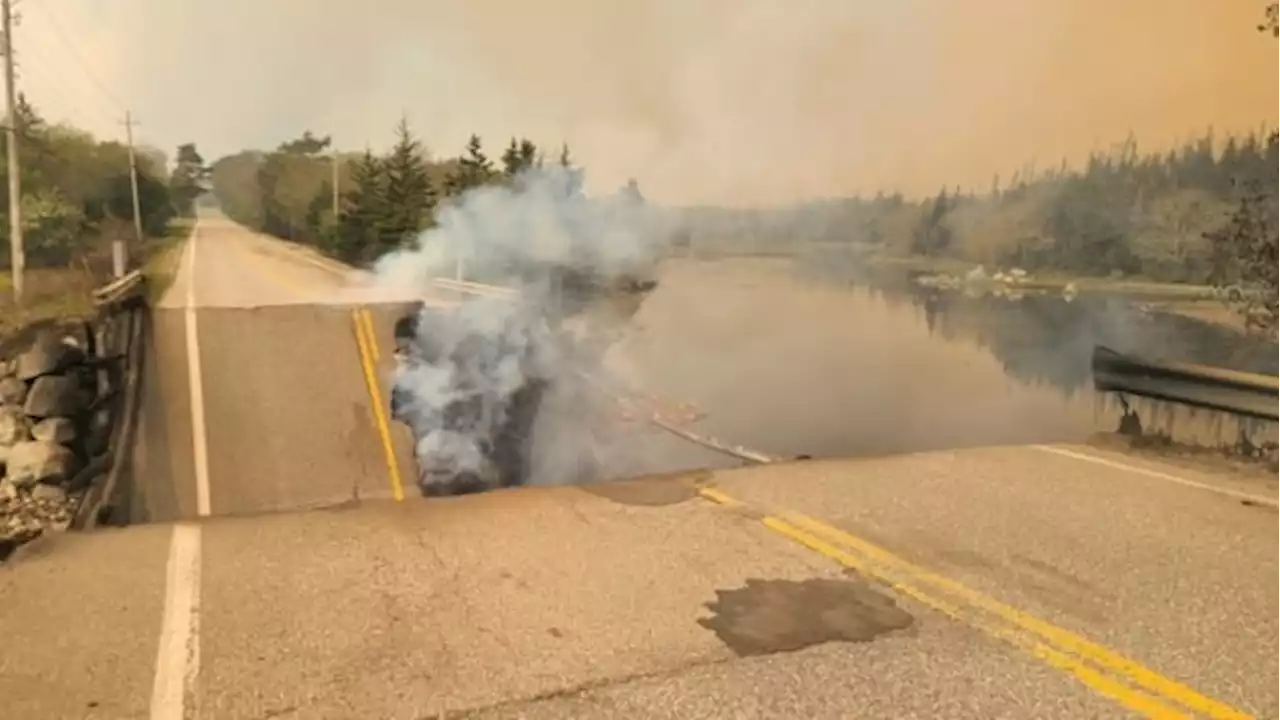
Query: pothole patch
{"type": "Point", "coordinates": [773, 616]}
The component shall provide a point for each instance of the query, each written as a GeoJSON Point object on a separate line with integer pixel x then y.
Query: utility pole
{"type": "Point", "coordinates": [17, 254]}
{"type": "Point", "coordinates": [118, 254]}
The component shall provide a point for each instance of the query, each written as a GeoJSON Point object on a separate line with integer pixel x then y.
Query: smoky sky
{"type": "Point", "coordinates": [715, 101]}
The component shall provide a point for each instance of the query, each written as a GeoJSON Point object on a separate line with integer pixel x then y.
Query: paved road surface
{"type": "Point", "coordinates": [997, 582]}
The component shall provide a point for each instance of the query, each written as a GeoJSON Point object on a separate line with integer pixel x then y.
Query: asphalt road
{"type": "Point", "coordinates": [282, 578]}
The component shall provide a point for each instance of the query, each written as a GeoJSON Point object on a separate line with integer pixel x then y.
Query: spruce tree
{"type": "Point", "coordinates": [474, 169]}
{"type": "Point", "coordinates": [410, 197]}
{"type": "Point", "coordinates": [364, 212]}
{"type": "Point", "coordinates": [518, 157]}
{"type": "Point", "coordinates": [511, 159]}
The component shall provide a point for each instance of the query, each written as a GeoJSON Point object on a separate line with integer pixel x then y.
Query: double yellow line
{"type": "Point", "coordinates": [1108, 673]}
{"type": "Point", "coordinates": [370, 356]}
{"type": "Point", "coordinates": [367, 343]}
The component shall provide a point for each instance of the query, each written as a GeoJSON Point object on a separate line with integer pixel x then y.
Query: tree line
{"type": "Point", "coordinates": [1200, 213]}
{"type": "Point", "coordinates": [1122, 212]}
{"type": "Point", "coordinates": [76, 191]}
{"type": "Point", "coordinates": [383, 199]}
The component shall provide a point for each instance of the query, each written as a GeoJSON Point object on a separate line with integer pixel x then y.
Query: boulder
{"type": "Point", "coordinates": [59, 430]}
{"type": "Point", "coordinates": [55, 396]}
{"type": "Point", "coordinates": [47, 357]}
{"type": "Point", "coordinates": [14, 427]}
{"type": "Point", "coordinates": [37, 461]}
{"type": "Point", "coordinates": [12, 390]}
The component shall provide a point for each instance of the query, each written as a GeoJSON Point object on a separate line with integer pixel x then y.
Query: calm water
{"type": "Point", "coordinates": [809, 357]}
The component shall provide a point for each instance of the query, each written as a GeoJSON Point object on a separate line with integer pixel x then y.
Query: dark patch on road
{"type": "Point", "coordinates": [651, 490]}
{"type": "Point", "coordinates": [771, 616]}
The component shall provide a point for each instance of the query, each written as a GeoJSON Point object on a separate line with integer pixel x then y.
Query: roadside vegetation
{"type": "Point", "coordinates": [76, 199]}
{"type": "Point", "coordinates": [385, 199]}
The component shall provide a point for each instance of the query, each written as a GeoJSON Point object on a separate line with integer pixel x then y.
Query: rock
{"type": "Point", "coordinates": [14, 427]}
{"type": "Point", "coordinates": [12, 390]}
{"type": "Point", "coordinates": [47, 357]}
{"type": "Point", "coordinates": [55, 396]}
{"type": "Point", "coordinates": [55, 429]}
{"type": "Point", "coordinates": [8, 491]}
{"type": "Point", "coordinates": [36, 461]}
{"type": "Point", "coordinates": [49, 494]}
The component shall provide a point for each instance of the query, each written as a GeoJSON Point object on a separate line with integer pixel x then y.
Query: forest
{"type": "Point", "coordinates": [383, 200]}
{"type": "Point", "coordinates": [1203, 213]}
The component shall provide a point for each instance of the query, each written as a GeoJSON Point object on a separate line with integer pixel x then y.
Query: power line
{"type": "Point", "coordinates": [79, 58]}
{"type": "Point", "coordinates": [52, 82]}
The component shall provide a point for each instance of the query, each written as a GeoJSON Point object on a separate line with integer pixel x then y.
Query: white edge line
{"type": "Point", "coordinates": [199, 440]}
{"type": "Point", "coordinates": [1156, 474]}
{"type": "Point", "coordinates": [178, 654]}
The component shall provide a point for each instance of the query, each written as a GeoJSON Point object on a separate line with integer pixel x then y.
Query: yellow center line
{"type": "Point", "coordinates": [367, 344]}
{"type": "Point", "coordinates": [367, 319]}
{"type": "Point", "coordinates": [1057, 647]}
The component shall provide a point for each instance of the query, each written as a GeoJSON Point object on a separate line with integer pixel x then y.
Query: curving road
{"type": "Point", "coordinates": [281, 575]}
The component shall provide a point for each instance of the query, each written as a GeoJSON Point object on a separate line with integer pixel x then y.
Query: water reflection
{"type": "Point", "coordinates": [812, 358]}
{"type": "Point", "coordinates": [1046, 337]}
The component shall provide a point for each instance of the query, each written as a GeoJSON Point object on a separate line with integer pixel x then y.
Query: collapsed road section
{"type": "Point", "coordinates": [513, 387]}
{"type": "Point", "coordinates": [498, 389]}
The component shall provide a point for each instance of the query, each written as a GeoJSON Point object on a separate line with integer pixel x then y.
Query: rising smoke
{"type": "Point", "coordinates": [473, 376]}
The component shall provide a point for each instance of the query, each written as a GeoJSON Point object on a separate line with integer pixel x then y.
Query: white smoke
{"type": "Point", "coordinates": [471, 370]}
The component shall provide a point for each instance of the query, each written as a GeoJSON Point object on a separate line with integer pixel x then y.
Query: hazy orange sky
{"type": "Point", "coordinates": [736, 101]}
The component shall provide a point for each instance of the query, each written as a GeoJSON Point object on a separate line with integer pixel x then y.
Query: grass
{"type": "Point", "coordinates": [160, 257]}
{"type": "Point", "coordinates": [50, 294]}
{"type": "Point", "coordinates": [66, 293]}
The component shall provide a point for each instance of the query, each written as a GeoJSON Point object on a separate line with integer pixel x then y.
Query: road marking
{"type": "Point", "coordinates": [366, 318]}
{"type": "Point", "coordinates": [178, 655]}
{"type": "Point", "coordinates": [1103, 670]}
{"type": "Point", "coordinates": [199, 439]}
{"type": "Point", "coordinates": [367, 345]}
{"type": "Point", "coordinates": [1115, 465]}
{"type": "Point", "coordinates": [178, 658]}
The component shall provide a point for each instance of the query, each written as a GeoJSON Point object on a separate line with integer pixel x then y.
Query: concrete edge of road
{"type": "Point", "coordinates": [1157, 470]}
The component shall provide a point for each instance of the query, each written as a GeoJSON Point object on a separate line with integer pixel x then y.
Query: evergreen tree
{"type": "Point", "coordinates": [410, 197]}
{"type": "Point", "coordinates": [518, 157]}
{"type": "Point", "coordinates": [474, 169]}
{"type": "Point", "coordinates": [365, 210]}
{"type": "Point", "coordinates": [511, 159]}
{"type": "Point", "coordinates": [932, 235]}
{"type": "Point", "coordinates": [187, 181]}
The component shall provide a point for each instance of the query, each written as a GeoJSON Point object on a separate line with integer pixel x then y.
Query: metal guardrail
{"type": "Point", "coordinates": [473, 288]}
{"type": "Point", "coordinates": [121, 336]}
{"type": "Point", "coordinates": [1239, 393]}
{"type": "Point", "coordinates": [119, 291]}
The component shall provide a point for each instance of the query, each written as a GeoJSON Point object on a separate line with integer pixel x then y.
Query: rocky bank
{"type": "Point", "coordinates": [52, 420]}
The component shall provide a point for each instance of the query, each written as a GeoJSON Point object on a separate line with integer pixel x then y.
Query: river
{"type": "Point", "coordinates": [814, 356]}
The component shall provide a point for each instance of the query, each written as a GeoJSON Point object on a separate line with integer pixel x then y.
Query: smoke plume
{"type": "Point", "coordinates": [472, 375]}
